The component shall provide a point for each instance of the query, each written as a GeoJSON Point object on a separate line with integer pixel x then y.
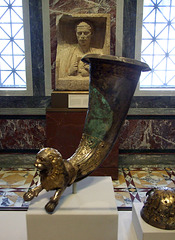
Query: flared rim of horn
{"type": "Point", "coordinates": [115, 59]}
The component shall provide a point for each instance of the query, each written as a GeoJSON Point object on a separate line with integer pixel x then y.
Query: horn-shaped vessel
{"type": "Point", "coordinates": [113, 81]}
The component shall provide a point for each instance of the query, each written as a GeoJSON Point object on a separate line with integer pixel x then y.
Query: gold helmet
{"type": "Point", "coordinates": [159, 208]}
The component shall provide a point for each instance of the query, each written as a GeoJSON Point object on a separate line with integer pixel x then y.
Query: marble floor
{"type": "Point", "coordinates": [133, 183]}
{"type": "Point", "coordinates": [13, 183]}
{"type": "Point", "coordinates": [131, 186]}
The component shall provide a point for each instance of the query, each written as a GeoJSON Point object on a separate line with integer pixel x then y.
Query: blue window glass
{"type": "Point", "coordinates": [158, 44]}
{"type": "Point", "coordinates": [12, 51]}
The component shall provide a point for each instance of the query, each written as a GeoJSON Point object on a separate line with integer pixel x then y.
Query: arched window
{"type": "Point", "coordinates": [15, 52]}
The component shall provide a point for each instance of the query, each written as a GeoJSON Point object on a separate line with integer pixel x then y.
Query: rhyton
{"type": "Point", "coordinates": [113, 81]}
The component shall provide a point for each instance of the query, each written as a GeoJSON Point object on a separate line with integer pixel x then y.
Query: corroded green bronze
{"type": "Point", "coordinates": [159, 208]}
{"type": "Point", "coordinates": [113, 81]}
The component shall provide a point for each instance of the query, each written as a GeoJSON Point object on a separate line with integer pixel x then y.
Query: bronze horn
{"type": "Point", "coordinates": [113, 81]}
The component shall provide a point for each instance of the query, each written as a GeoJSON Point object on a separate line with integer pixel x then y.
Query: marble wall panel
{"type": "Point", "coordinates": [37, 48]}
{"type": "Point", "coordinates": [136, 134]}
{"type": "Point", "coordinates": [60, 7]}
{"type": "Point", "coordinates": [22, 134]}
{"type": "Point", "coordinates": [147, 134]}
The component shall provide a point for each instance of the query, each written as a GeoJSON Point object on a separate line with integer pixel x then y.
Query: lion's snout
{"type": "Point", "coordinates": [38, 164]}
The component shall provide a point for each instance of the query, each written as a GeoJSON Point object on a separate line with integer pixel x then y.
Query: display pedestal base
{"type": "Point", "coordinates": [145, 231]}
{"type": "Point", "coordinates": [91, 213]}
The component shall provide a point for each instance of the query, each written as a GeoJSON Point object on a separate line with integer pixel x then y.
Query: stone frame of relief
{"type": "Point", "coordinates": [67, 43]}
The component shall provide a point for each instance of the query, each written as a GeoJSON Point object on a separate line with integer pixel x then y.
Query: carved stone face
{"type": "Point", "coordinates": [84, 33]}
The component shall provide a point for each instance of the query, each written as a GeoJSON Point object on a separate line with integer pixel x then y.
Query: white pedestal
{"type": "Point", "coordinates": [145, 231]}
{"type": "Point", "coordinates": [91, 213]}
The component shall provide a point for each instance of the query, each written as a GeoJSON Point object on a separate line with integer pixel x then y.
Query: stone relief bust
{"type": "Point", "coordinates": [71, 72]}
{"type": "Point", "coordinates": [84, 32]}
